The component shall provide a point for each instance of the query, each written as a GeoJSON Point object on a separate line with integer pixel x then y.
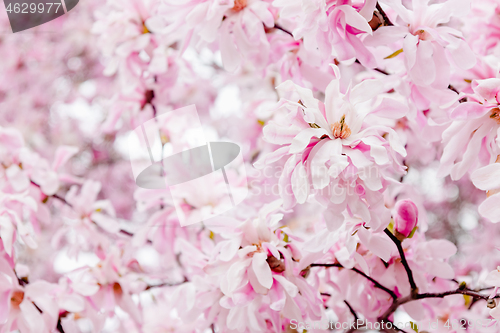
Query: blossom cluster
{"type": "Point", "coordinates": [375, 123]}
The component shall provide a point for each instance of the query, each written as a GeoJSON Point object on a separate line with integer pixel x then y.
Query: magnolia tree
{"type": "Point", "coordinates": [368, 136]}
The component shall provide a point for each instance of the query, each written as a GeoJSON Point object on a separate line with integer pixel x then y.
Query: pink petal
{"type": "Point", "coordinates": [463, 56]}
{"type": "Point", "coordinates": [410, 50]}
{"type": "Point", "coordinates": [300, 185]}
{"type": "Point", "coordinates": [354, 19]}
{"type": "Point", "coordinates": [441, 248]}
{"type": "Point", "coordinates": [63, 154]}
{"type": "Point", "coordinates": [17, 178]}
{"type": "Point", "coordinates": [469, 110]}
{"type": "Point", "coordinates": [424, 71]}
{"type": "Point", "coordinates": [262, 270]}
{"type": "Point", "coordinates": [390, 108]}
{"type": "Point", "coordinates": [301, 140]}
{"type": "Point", "coordinates": [487, 178]}
{"type": "Point", "coordinates": [289, 287]}
{"type": "Point", "coordinates": [490, 208]}
{"type": "Point", "coordinates": [229, 52]}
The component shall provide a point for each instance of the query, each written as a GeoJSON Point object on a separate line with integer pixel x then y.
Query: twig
{"type": "Point", "coordinates": [375, 69]}
{"type": "Point", "coordinates": [375, 282]}
{"type": "Point", "coordinates": [282, 29]}
{"type": "Point", "coordinates": [165, 284]}
{"type": "Point", "coordinates": [68, 204]}
{"type": "Point", "coordinates": [414, 288]}
{"type": "Point", "coordinates": [54, 195]}
{"type": "Point", "coordinates": [411, 297]}
{"type": "Point", "coordinates": [352, 310]}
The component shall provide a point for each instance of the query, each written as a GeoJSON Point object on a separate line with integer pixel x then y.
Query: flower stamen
{"type": "Point", "coordinates": [239, 5]}
{"type": "Point", "coordinates": [495, 114]}
{"type": "Point", "coordinates": [340, 129]}
{"type": "Point", "coordinates": [16, 298]}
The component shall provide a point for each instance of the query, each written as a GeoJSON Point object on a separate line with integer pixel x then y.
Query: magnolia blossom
{"type": "Point", "coordinates": [333, 27]}
{"type": "Point", "coordinates": [259, 279]}
{"type": "Point", "coordinates": [479, 120]}
{"type": "Point", "coordinates": [332, 154]}
{"type": "Point", "coordinates": [430, 46]}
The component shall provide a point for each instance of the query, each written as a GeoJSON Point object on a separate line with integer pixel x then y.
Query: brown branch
{"type": "Point", "coordinates": [54, 195]}
{"type": "Point", "coordinates": [352, 311]}
{"type": "Point", "coordinates": [375, 282]}
{"type": "Point", "coordinates": [68, 204]}
{"type": "Point", "coordinates": [384, 15]}
{"type": "Point", "coordinates": [165, 284]}
{"type": "Point", "coordinates": [414, 295]}
{"type": "Point", "coordinates": [414, 288]}
{"type": "Point", "coordinates": [411, 297]}
{"type": "Point", "coordinates": [276, 26]}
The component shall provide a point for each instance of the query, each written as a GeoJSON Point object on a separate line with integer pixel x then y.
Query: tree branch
{"type": "Point", "coordinates": [384, 15]}
{"type": "Point", "coordinates": [276, 26]}
{"type": "Point", "coordinates": [352, 311]}
{"type": "Point", "coordinates": [414, 288]}
{"type": "Point", "coordinates": [53, 195]}
{"type": "Point", "coordinates": [411, 297]}
{"type": "Point", "coordinates": [375, 282]}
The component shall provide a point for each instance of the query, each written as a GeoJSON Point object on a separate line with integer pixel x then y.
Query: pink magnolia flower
{"type": "Point", "coordinates": [33, 307]}
{"type": "Point", "coordinates": [237, 25]}
{"type": "Point", "coordinates": [116, 285]}
{"type": "Point", "coordinates": [333, 27]}
{"type": "Point", "coordinates": [429, 46]}
{"type": "Point", "coordinates": [471, 139]}
{"type": "Point", "coordinates": [257, 274]}
{"type": "Point", "coordinates": [89, 209]}
{"type": "Point", "coordinates": [333, 154]}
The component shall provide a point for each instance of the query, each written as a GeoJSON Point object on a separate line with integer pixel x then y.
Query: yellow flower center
{"type": "Point", "coordinates": [340, 129]}
{"type": "Point", "coordinates": [16, 298]}
{"type": "Point", "coordinates": [239, 5]}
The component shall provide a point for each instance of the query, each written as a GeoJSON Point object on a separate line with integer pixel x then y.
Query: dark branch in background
{"type": "Point", "coordinates": [414, 289]}
{"type": "Point", "coordinates": [166, 284]}
{"type": "Point", "coordinates": [352, 310]}
{"type": "Point", "coordinates": [375, 282]}
{"type": "Point", "coordinates": [384, 15]}
{"type": "Point", "coordinates": [409, 298]}
{"type": "Point", "coordinates": [53, 195]}
{"type": "Point", "coordinates": [375, 69]}
{"type": "Point", "coordinates": [276, 26]}
{"type": "Point", "coordinates": [68, 204]}
{"type": "Point", "coordinates": [59, 325]}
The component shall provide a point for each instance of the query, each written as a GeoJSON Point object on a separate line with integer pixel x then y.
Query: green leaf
{"type": "Point", "coordinates": [412, 232]}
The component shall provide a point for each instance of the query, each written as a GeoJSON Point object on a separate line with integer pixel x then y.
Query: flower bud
{"type": "Point", "coordinates": [406, 217]}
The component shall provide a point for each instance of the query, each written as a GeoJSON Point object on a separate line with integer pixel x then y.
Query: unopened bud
{"type": "Point", "coordinates": [406, 217]}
